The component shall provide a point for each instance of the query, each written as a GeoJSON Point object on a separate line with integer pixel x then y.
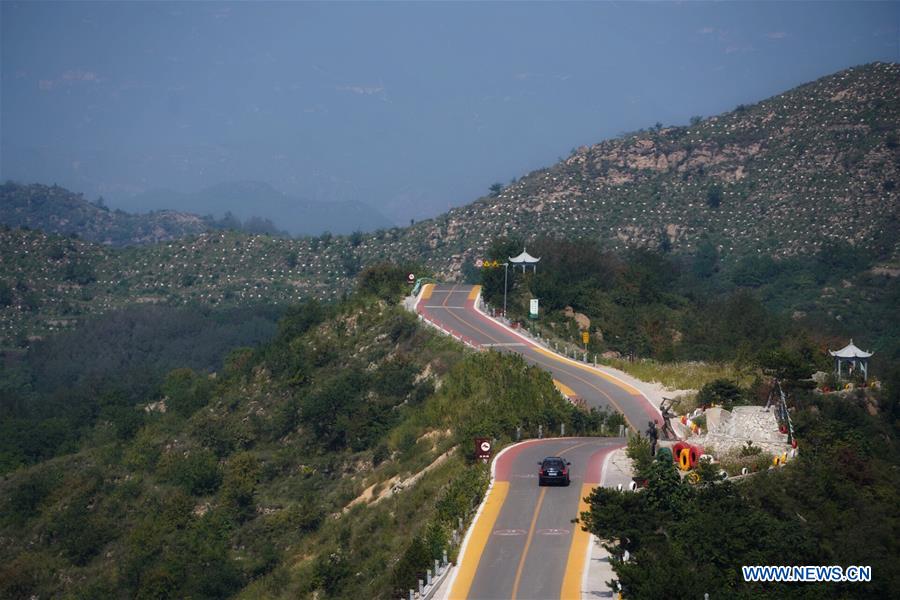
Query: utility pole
{"type": "Point", "coordinates": [505, 277]}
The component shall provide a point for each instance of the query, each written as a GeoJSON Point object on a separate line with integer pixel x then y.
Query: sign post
{"type": "Point", "coordinates": [484, 449]}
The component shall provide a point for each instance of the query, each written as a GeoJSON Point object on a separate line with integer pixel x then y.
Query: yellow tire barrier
{"type": "Point", "coordinates": [684, 459]}
{"type": "Point", "coordinates": [693, 477]}
{"type": "Point", "coordinates": [776, 461]}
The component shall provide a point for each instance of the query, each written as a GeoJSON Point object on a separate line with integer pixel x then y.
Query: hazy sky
{"type": "Point", "coordinates": [411, 107]}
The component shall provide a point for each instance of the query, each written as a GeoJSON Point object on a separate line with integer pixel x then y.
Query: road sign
{"type": "Point", "coordinates": [411, 278]}
{"type": "Point", "coordinates": [483, 448]}
{"type": "Point", "coordinates": [479, 263]}
{"type": "Point", "coordinates": [533, 312]}
{"type": "Point", "coordinates": [585, 337]}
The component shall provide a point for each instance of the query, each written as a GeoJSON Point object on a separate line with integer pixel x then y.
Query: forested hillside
{"type": "Point", "coordinates": [332, 461]}
{"type": "Point", "coordinates": [647, 304]}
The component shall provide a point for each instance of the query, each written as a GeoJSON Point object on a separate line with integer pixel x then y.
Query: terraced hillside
{"type": "Point", "coordinates": [49, 283]}
{"type": "Point", "coordinates": [782, 177]}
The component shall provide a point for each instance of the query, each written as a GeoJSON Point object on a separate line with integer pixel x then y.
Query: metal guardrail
{"type": "Point", "coordinates": [433, 580]}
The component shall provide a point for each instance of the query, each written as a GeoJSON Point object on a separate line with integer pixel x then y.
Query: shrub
{"type": "Point", "coordinates": [196, 471]}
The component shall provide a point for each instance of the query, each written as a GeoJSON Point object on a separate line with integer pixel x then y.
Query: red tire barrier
{"type": "Point", "coordinates": [677, 448]}
{"type": "Point", "coordinates": [694, 453]}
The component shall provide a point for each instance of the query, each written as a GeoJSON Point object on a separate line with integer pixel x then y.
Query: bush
{"type": "Point", "coordinates": [186, 392]}
{"type": "Point", "coordinates": [195, 471]}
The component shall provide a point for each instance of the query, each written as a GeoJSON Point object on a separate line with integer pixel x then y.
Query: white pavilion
{"type": "Point", "coordinates": [524, 259]}
{"type": "Point", "coordinates": [853, 357]}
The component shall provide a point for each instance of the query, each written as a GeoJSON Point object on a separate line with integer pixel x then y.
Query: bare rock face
{"type": "Point", "coordinates": [745, 423]}
{"type": "Point", "coordinates": [716, 418]}
{"type": "Point", "coordinates": [584, 323]}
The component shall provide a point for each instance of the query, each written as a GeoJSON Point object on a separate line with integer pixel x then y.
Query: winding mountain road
{"type": "Point", "coordinates": [523, 543]}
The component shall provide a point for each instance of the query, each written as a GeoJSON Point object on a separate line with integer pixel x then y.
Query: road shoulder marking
{"type": "Point", "coordinates": [481, 531]}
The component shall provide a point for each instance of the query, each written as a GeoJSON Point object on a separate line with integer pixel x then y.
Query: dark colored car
{"type": "Point", "coordinates": [553, 470]}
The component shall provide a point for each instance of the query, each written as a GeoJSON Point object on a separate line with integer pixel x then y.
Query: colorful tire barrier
{"type": "Point", "coordinates": [676, 450]}
{"type": "Point", "coordinates": [693, 478]}
{"type": "Point", "coordinates": [694, 453]}
{"type": "Point", "coordinates": [684, 459]}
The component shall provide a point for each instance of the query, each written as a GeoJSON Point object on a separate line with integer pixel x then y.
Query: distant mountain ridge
{"type": "Point", "coordinates": [57, 210]}
{"type": "Point", "coordinates": [246, 199]}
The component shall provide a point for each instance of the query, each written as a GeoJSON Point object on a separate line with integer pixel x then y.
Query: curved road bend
{"type": "Point", "coordinates": [523, 545]}
{"type": "Point", "coordinates": [453, 308]}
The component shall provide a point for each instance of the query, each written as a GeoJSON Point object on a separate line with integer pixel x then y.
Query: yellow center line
{"type": "Point", "coordinates": [534, 517]}
{"type": "Point", "coordinates": [537, 510]}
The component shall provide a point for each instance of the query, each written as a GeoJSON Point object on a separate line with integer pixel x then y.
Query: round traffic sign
{"type": "Point", "coordinates": [411, 277]}
{"type": "Point", "coordinates": [479, 263]}
{"type": "Point", "coordinates": [485, 446]}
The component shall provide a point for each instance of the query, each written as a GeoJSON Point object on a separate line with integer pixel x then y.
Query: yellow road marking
{"type": "Point", "coordinates": [474, 293]}
{"type": "Point", "coordinates": [571, 586]}
{"type": "Point", "coordinates": [481, 531]}
{"type": "Point", "coordinates": [426, 293]}
{"type": "Point", "coordinates": [621, 384]}
{"type": "Point", "coordinates": [534, 517]}
{"type": "Point", "coordinates": [566, 390]}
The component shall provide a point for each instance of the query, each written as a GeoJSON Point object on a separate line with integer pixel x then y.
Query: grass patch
{"type": "Point", "coordinates": [691, 375]}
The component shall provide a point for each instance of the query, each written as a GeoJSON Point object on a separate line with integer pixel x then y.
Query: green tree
{"type": "Point", "coordinates": [186, 391]}
{"type": "Point", "coordinates": [721, 392]}
{"type": "Point", "coordinates": [239, 484]}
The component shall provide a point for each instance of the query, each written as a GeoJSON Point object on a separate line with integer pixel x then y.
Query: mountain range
{"type": "Point", "coordinates": [790, 178]}
{"type": "Point", "coordinates": [248, 199]}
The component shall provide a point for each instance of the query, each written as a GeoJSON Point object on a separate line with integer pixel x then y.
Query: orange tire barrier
{"type": "Point", "coordinates": [684, 459]}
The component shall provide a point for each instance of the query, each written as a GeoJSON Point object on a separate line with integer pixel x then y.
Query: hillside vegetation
{"type": "Point", "coordinates": [667, 307]}
{"type": "Point", "coordinates": [836, 504]}
{"type": "Point", "coordinates": [332, 461]}
{"type": "Point", "coordinates": [793, 198]}
{"type": "Point", "coordinates": [789, 175]}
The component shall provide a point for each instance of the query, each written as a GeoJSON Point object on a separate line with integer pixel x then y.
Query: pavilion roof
{"type": "Point", "coordinates": [850, 351]}
{"type": "Point", "coordinates": [523, 258]}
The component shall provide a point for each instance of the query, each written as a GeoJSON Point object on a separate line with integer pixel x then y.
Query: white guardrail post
{"type": "Point", "coordinates": [433, 580]}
